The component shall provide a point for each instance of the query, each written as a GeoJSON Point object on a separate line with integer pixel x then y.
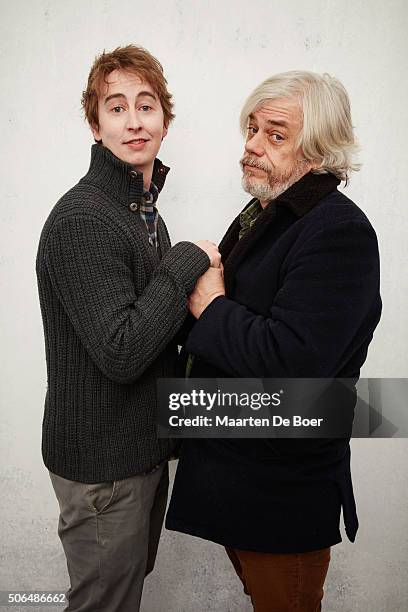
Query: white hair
{"type": "Point", "coordinates": [327, 135]}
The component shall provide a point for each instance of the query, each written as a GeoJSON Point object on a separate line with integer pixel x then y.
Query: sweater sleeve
{"type": "Point", "coordinates": [329, 290]}
{"type": "Point", "coordinates": [89, 268]}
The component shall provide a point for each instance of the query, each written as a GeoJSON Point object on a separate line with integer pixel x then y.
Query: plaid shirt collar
{"type": "Point", "coordinates": [248, 217]}
{"type": "Point", "coordinates": [149, 212]}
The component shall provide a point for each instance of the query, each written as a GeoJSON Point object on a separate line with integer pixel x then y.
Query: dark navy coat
{"type": "Point", "coordinates": [302, 300]}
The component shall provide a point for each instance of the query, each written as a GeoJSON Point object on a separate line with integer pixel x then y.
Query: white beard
{"type": "Point", "coordinates": [270, 190]}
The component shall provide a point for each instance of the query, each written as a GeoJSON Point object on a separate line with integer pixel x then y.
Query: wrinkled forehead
{"type": "Point", "coordinates": [284, 111]}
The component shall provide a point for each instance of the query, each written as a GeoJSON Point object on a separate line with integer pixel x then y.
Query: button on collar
{"type": "Point", "coordinates": [133, 173]}
{"type": "Point", "coordinates": [147, 197]}
{"type": "Point", "coordinates": [134, 206]}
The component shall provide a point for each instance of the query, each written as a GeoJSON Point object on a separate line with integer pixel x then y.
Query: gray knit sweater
{"type": "Point", "coordinates": [111, 305]}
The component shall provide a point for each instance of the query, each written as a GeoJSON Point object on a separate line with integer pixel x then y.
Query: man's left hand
{"type": "Point", "coordinates": [209, 286]}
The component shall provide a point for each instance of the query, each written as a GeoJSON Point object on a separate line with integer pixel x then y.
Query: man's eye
{"type": "Point", "coordinates": [277, 137]}
{"type": "Point", "coordinates": [117, 109]}
{"type": "Point", "coordinates": [252, 130]}
{"type": "Point", "coordinates": [145, 108]}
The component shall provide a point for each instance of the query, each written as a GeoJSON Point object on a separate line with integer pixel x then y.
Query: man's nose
{"type": "Point", "coordinates": [254, 145]}
{"type": "Point", "coordinates": [134, 120]}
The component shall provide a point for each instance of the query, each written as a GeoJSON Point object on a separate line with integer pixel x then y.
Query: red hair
{"type": "Point", "coordinates": [132, 59]}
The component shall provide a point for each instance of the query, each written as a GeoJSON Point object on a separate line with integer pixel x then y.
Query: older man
{"type": "Point", "coordinates": [299, 298]}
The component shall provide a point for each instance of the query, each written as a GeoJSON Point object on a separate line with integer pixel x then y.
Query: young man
{"type": "Point", "coordinates": [299, 298]}
{"type": "Point", "coordinates": [113, 294]}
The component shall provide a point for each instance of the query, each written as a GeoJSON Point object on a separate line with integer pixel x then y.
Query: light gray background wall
{"type": "Point", "coordinates": [214, 53]}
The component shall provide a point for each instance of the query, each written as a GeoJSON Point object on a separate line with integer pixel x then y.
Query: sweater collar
{"type": "Point", "coordinates": [120, 179]}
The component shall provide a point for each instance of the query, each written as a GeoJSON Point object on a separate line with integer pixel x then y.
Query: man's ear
{"type": "Point", "coordinates": [314, 164]}
{"type": "Point", "coordinates": [96, 133]}
{"type": "Point", "coordinates": [165, 130]}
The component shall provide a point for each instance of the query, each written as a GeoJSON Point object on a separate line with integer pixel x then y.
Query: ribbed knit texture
{"type": "Point", "coordinates": [110, 305]}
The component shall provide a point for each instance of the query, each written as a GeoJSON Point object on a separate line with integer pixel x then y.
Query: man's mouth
{"type": "Point", "coordinates": [136, 141]}
{"type": "Point", "coordinates": [250, 167]}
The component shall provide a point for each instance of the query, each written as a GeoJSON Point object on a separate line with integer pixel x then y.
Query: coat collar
{"type": "Point", "coordinates": [120, 179]}
{"type": "Point", "coordinates": [299, 199]}
{"type": "Point", "coordinates": [303, 195]}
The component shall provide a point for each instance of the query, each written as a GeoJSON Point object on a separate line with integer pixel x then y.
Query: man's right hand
{"type": "Point", "coordinates": [212, 251]}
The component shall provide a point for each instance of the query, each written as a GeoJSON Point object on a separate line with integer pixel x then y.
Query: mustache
{"type": "Point", "coordinates": [254, 163]}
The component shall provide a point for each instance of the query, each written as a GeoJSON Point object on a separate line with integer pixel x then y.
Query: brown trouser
{"type": "Point", "coordinates": [110, 533]}
{"type": "Point", "coordinates": [282, 582]}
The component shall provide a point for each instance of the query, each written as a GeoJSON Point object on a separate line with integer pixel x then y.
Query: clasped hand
{"type": "Point", "coordinates": [211, 284]}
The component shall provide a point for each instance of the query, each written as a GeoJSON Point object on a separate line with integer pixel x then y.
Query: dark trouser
{"type": "Point", "coordinates": [110, 533]}
{"type": "Point", "coordinates": [282, 583]}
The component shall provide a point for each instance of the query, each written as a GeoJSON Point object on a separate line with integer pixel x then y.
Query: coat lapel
{"type": "Point", "coordinates": [234, 250]}
{"type": "Point", "coordinates": [300, 198]}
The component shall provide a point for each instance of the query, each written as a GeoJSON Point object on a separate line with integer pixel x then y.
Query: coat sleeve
{"type": "Point", "coordinates": [89, 268]}
{"type": "Point", "coordinates": [330, 288]}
